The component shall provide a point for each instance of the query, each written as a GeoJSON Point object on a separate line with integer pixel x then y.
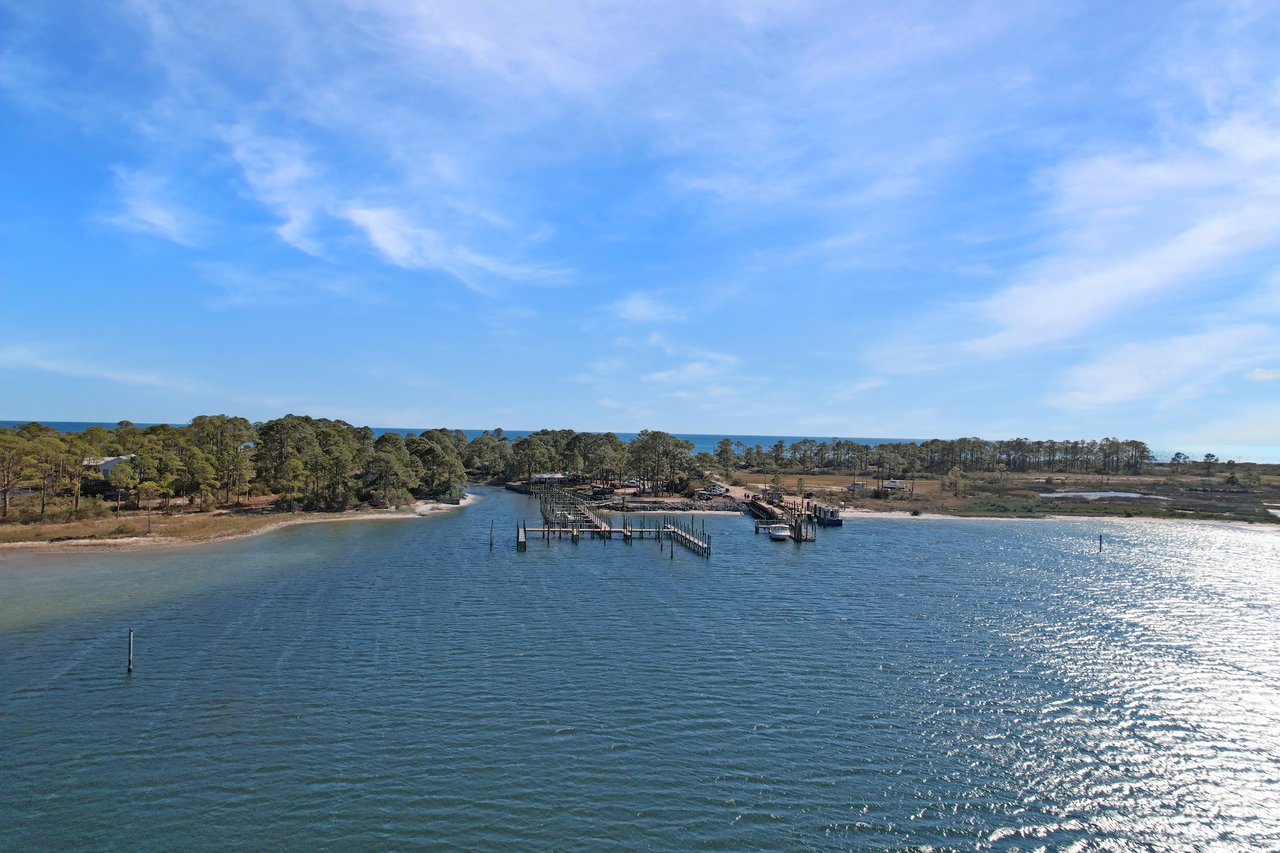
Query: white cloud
{"type": "Point", "coordinates": [643, 308]}
{"type": "Point", "coordinates": [251, 288]}
{"type": "Point", "coordinates": [1141, 226]}
{"type": "Point", "coordinates": [1248, 424]}
{"type": "Point", "coordinates": [278, 173]}
{"type": "Point", "coordinates": [1259, 374]}
{"type": "Point", "coordinates": [1169, 370]}
{"type": "Point", "coordinates": [41, 359]}
{"type": "Point", "coordinates": [147, 205]}
{"type": "Point", "coordinates": [848, 391]}
{"type": "Point", "coordinates": [668, 347]}
{"type": "Point", "coordinates": [412, 246]}
{"type": "Point", "coordinates": [685, 374]}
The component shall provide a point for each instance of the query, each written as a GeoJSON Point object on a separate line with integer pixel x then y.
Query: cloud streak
{"type": "Point", "coordinates": [1169, 370]}
{"type": "Point", "coordinates": [645, 308]}
{"type": "Point", "coordinates": [412, 246]}
{"type": "Point", "coordinates": [147, 206]}
{"type": "Point", "coordinates": [27, 357]}
{"type": "Point", "coordinates": [1139, 228]}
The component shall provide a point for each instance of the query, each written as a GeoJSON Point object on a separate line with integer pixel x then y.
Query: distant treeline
{"type": "Point", "coordinates": [316, 463]}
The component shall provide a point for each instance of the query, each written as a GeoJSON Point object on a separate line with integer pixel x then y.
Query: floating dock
{"type": "Point", "coordinates": [800, 523]}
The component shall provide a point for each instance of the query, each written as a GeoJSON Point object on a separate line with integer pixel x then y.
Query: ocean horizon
{"type": "Point", "coordinates": [1256, 453]}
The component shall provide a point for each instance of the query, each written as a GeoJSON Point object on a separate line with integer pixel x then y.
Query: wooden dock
{"type": "Point", "coordinates": [568, 516]}
{"type": "Point", "coordinates": [800, 523]}
{"type": "Point", "coordinates": [565, 509]}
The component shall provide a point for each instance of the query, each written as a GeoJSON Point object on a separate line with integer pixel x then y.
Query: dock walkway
{"type": "Point", "coordinates": [800, 522]}
{"type": "Point", "coordinates": [567, 515]}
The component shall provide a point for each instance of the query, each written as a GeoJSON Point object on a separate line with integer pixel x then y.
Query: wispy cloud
{"type": "Point", "coordinates": [241, 287]}
{"type": "Point", "coordinates": [1141, 226]}
{"type": "Point", "coordinates": [1169, 370]}
{"type": "Point", "coordinates": [647, 308]}
{"type": "Point", "coordinates": [278, 173]}
{"type": "Point", "coordinates": [42, 359]}
{"type": "Point", "coordinates": [148, 206]}
{"type": "Point", "coordinates": [1259, 374]}
{"type": "Point", "coordinates": [690, 373]}
{"type": "Point", "coordinates": [1248, 423]}
{"type": "Point", "coordinates": [412, 246]}
{"type": "Point", "coordinates": [844, 392]}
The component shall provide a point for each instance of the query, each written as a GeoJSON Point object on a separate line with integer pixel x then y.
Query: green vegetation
{"type": "Point", "coordinates": [302, 462]}
{"type": "Point", "coordinates": [315, 464]}
{"type": "Point", "coordinates": [939, 456]}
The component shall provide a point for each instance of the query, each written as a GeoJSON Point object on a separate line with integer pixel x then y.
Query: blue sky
{"type": "Point", "coordinates": [850, 218]}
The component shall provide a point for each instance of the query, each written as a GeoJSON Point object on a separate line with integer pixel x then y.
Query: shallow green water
{"type": "Point", "coordinates": [388, 685]}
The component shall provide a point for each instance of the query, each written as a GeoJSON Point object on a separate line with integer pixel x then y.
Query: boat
{"type": "Point", "coordinates": [779, 532]}
{"type": "Point", "coordinates": [828, 516]}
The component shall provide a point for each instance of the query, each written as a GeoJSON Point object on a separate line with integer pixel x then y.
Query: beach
{"type": "Point", "coordinates": [242, 526]}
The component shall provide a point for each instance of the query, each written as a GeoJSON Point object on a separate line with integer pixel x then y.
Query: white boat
{"type": "Point", "coordinates": [779, 532]}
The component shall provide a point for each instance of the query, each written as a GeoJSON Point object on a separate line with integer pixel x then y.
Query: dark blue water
{"type": "Point", "coordinates": [899, 683]}
{"type": "Point", "coordinates": [706, 443]}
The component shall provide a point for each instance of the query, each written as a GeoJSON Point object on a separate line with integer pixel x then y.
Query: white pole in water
{"type": "Point", "coordinates": [130, 669]}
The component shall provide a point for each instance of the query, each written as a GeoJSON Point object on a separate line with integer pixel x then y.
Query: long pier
{"type": "Point", "coordinates": [565, 509]}
{"type": "Point", "coordinates": [567, 516]}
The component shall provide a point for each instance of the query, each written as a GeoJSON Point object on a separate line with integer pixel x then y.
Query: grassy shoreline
{"type": "Point", "coordinates": [1168, 497]}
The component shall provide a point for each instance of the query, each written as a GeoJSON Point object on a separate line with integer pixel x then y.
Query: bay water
{"type": "Point", "coordinates": [900, 683]}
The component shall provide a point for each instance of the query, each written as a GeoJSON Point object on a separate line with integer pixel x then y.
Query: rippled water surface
{"type": "Point", "coordinates": [386, 685]}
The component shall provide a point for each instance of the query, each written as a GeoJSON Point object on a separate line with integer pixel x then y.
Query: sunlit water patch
{"type": "Point", "coordinates": [387, 685]}
{"type": "Point", "coordinates": [1093, 496]}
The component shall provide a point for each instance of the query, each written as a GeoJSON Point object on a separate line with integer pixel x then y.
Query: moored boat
{"type": "Point", "coordinates": [779, 532]}
{"type": "Point", "coordinates": [827, 516]}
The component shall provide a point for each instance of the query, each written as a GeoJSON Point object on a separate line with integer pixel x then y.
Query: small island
{"type": "Point", "coordinates": [222, 476]}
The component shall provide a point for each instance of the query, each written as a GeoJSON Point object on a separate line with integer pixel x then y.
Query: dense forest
{"type": "Point", "coordinates": [320, 464]}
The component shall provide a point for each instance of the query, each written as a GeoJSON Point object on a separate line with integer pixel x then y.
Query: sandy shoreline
{"type": "Point", "coordinates": [419, 509]}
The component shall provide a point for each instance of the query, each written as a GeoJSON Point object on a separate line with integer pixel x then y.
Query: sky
{"type": "Point", "coordinates": [1052, 220]}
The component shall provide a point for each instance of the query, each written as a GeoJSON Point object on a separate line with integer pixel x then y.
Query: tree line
{"type": "Point", "coordinates": [306, 463]}
{"type": "Point", "coordinates": [939, 456]}
{"type": "Point", "coordinates": [321, 464]}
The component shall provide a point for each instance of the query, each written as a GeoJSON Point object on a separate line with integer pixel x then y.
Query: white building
{"type": "Point", "coordinates": [106, 463]}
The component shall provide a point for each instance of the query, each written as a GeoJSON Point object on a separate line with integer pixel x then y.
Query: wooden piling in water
{"type": "Point", "coordinates": [130, 669]}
